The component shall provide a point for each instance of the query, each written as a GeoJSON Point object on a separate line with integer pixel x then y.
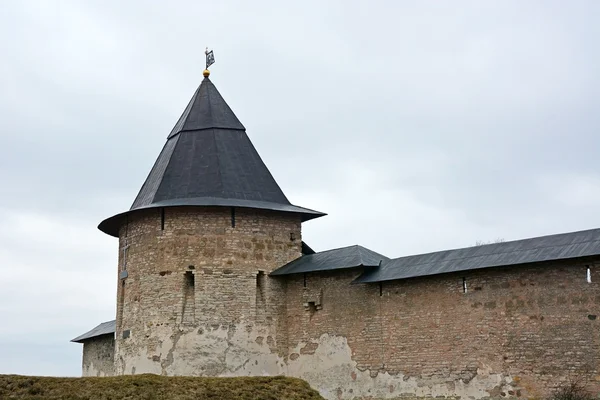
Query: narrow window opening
{"type": "Point", "coordinates": [123, 274]}
{"type": "Point", "coordinates": [190, 280]}
{"type": "Point", "coordinates": [380, 289]}
{"type": "Point", "coordinates": [121, 304]}
{"type": "Point", "coordinates": [188, 312]}
{"type": "Point", "coordinates": [312, 309]}
{"type": "Point", "coordinates": [261, 281]}
{"type": "Point", "coordinates": [464, 285]}
{"type": "Point", "coordinates": [232, 217]}
{"type": "Point", "coordinates": [125, 244]}
{"type": "Point", "coordinates": [292, 236]}
{"type": "Point", "coordinates": [588, 274]}
{"type": "Point", "coordinates": [162, 219]}
{"type": "Point", "coordinates": [304, 280]}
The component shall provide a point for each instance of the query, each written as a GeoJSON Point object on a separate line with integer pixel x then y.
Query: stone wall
{"type": "Point", "coordinates": [517, 332]}
{"type": "Point", "coordinates": [197, 299]}
{"type": "Point", "coordinates": [98, 356]}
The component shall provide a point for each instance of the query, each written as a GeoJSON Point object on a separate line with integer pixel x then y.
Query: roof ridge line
{"type": "Point", "coordinates": [165, 169]}
{"type": "Point", "coordinates": [337, 248]}
{"type": "Point", "coordinates": [173, 141]}
{"type": "Point", "coordinates": [268, 171]}
{"type": "Point", "coordinates": [487, 254]}
{"type": "Point", "coordinates": [503, 243]}
{"type": "Point", "coordinates": [363, 248]}
{"type": "Point", "coordinates": [184, 115]}
{"type": "Point", "coordinates": [360, 253]}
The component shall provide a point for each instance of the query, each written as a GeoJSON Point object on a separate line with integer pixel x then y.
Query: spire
{"type": "Point", "coordinates": [206, 110]}
{"type": "Point", "coordinates": [208, 160]}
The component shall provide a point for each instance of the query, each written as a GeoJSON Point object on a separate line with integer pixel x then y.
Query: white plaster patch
{"type": "Point", "coordinates": [236, 351]}
{"type": "Point", "coordinates": [333, 373]}
{"type": "Point", "coordinates": [215, 351]}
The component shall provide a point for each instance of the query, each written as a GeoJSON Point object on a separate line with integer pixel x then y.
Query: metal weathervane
{"type": "Point", "coordinates": [210, 58]}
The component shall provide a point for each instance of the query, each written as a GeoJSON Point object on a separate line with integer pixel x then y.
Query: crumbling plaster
{"type": "Point", "coordinates": [244, 350]}
{"type": "Point", "coordinates": [98, 356]}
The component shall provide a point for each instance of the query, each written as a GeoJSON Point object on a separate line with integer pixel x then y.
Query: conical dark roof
{"type": "Point", "coordinates": [208, 160]}
{"type": "Point", "coordinates": [206, 110]}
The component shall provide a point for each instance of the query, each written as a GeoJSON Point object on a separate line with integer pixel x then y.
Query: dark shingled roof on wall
{"type": "Point", "coordinates": [545, 248]}
{"type": "Point", "coordinates": [104, 328]}
{"type": "Point", "coordinates": [345, 257]}
{"type": "Point", "coordinates": [208, 160]}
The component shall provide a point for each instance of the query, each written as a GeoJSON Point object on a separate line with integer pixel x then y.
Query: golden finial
{"type": "Point", "coordinates": [210, 60]}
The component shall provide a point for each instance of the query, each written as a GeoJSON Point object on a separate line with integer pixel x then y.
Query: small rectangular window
{"type": "Point", "coordinates": [188, 312]}
{"type": "Point", "coordinates": [588, 274]}
{"type": "Point", "coordinates": [312, 308]}
{"type": "Point", "coordinates": [190, 279]}
{"type": "Point", "coordinates": [464, 285]}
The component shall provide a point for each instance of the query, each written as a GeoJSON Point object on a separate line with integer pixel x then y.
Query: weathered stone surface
{"type": "Point", "coordinates": [99, 356]}
{"type": "Point", "coordinates": [197, 296]}
{"type": "Point", "coordinates": [524, 330]}
{"type": "Point", "coordinates": [198, 301]}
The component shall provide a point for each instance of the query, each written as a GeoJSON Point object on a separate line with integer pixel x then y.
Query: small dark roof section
{"type": "Point", "coordinates": [206, 110]}
{"type": "Point", "coordinates": [545, 248]}
{"type": "Point", "coordinates": [306, 249]}
{"type": "Point", "coordinates": [105, 328]}
{"type": "Point", "coordinates": [208, 160]}
{"type": "Point", "coordinates": [343, 258]}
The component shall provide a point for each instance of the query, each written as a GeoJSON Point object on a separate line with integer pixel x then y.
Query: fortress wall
{"type": "Point", "coordinates": [98, 356]}
{"type": "Point", "coordinates": [197, 299]}
{"type": "Point", "coordinates": [517, 332]}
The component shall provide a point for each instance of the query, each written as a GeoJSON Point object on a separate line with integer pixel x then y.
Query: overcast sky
{"type": "Point", "coordinates": [416, 125]}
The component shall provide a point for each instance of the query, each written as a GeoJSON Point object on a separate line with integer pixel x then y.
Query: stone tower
{"type": "Point", "coordinates": [195, 251]}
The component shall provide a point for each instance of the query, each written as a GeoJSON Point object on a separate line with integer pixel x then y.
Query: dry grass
{"type": "Point", "coordinates": [154, 387]}
{"type": "Point", "coordinates": [572, 390]}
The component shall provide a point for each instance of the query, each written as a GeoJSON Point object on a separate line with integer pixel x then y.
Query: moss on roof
{"type": "Point", "coordinates": [155, 387]}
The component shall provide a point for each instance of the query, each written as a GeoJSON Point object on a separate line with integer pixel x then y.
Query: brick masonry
{"type": "Point", "coordinates": [531, 327]}
{"type": "Point", "coordinates": [200, 277]}
{"type": "Point", "coordinates": [198, 301]}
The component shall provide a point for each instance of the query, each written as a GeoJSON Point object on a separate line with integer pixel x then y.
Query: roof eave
{"type": "Point", "coordinates": [277, 272]}
{"type": "Point", "coordinates": [85, 339]}
{"type": "Point", "coordinates": [111, 225]}
{"type": "Point", "coordinates": [103, 329]}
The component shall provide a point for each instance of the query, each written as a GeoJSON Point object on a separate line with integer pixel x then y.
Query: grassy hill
{"type": "Point", "coordinates": [154, 387]}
